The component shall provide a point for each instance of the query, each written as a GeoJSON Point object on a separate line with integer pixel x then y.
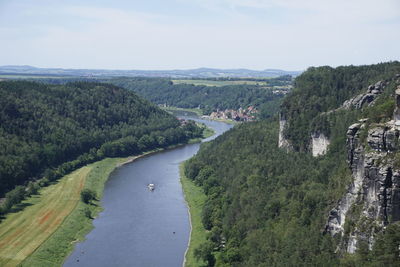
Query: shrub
{"type": "Point", "coordinates": [87, 195]}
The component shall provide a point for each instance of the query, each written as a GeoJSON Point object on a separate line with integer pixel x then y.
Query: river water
{"type": "Point", "coordinates": [139, 227]}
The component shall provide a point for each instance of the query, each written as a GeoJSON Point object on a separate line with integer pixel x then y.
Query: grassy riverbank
{"type": "Point", "coordinates": [207, 132]}
{"type": "Point", "coordinates": [229, 121]}
{"type": "Point", "coordinates": [43, 232]}
{"type": "Point", "coordinates": [21, 233]}
{"type": "Point", "coordinates": [173, 110]}
{"type": "Point", "coordinates": [67, 226]}
{"type": "Point", "coordinates": [195, 199]}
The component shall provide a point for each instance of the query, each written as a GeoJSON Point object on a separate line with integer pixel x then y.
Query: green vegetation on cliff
{"type": "Point", "coordinates": [267, 206]}
{"type": "Point", "coordinates": [323, 89]}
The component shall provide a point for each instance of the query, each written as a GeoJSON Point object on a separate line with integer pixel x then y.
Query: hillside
{"type": "Point", "coordinates": [49, 130]}
{"type": "Point", "coordinates": [208, 98]}
{"type": "Point", "coordinates": [208, 94]}
{"type": "Point", "coordinates": [323, 89]}
{"type": "Point", "coordinates": [327, 195]}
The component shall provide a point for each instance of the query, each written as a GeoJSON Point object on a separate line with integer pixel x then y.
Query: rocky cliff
{"type": "Point", "coordinates": [283, 142]}
{"type": "Point", "coordinates": [319, 144]}
{"type": "Point", "coordinates": [372, 200]}
{"type": "Point", "coordinates": [367, 98]}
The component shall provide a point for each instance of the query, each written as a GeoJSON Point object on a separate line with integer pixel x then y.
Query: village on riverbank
{"type": "Point", "coordinates": [248, 114]}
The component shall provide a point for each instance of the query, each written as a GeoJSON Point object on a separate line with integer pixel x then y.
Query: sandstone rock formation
{"type": "Point", "coordinates": [396, 115]}
{"type": "Point", "coordinates": [360, 100]}
{"type": "Point", "coordinates": [319, 144]}
{"type": "Point", "coordinates": [372, 200]}
{"type": "Point", "coordinates": [283, 142]}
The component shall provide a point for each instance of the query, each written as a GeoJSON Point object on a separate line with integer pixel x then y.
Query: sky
{"type": "Point", "coordinates": [185, 34]}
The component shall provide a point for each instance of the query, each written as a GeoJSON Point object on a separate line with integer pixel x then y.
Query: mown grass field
{"type": "Point", "coordinates": [195, 199]}
{"type": "Point", "coordinates": [23, 232]}
{"type": "Point", "coordinates": [76, 225]}
{"type": "Point", "coordinates": [220, 83]}
{"type": "Point", "coordinates": [44, 231]}
{"type": "Point", "coordinates": [174, 110]}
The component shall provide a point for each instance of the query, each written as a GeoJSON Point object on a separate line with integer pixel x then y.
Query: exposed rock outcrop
{"type": "Point", "coordinates": [373, 199]}
{"type": "Point", "coordinates": [355, 157]}
{"type": "Point", "coordinates": [283, 142]}
{"type": "Point", "coordinates": [396, 115]}
{"type": "Point", "coordinates": [360, 100]}
{"type": "Point", "coordinates": [319, 144]}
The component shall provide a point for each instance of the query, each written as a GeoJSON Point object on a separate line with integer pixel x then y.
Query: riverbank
{"type": "Point", "coordinates": [46, 227]}
{"type": "Point", "coordinates": [198, 112]}
{"type": "Point", "coordinates": [44, 232]}
{"type": "Point", "coordinates": [195, 199]}
{"type": "Point", "coordinates": [75, 225]}
{"type": "Point", "coordinates": [22, 232]}
{"type": "Point", "coordinates": [229, 121]}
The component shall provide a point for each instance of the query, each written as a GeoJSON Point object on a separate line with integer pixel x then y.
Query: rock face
{"type": "Point", "coordinates": [396, 115]}
{"type": "Point", "coordinates": [360, 100]}
{"type": "Point", "coordinates": [319, 144]}
{"type": "Point", "coordinates": [355, 157]}
{"type": "Point", "coordinates": [373, 199]}
{"type": "Point", "coordinates": [283, 142]}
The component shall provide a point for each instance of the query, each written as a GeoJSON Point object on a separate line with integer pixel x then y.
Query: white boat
{"type": "Point", "coordinates": [151, 187]}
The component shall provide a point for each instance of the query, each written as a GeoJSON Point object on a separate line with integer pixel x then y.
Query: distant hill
{"type": "Point", "coordinates": [197, 73]}
{"type": "Point", "coordinates": [209, 98]}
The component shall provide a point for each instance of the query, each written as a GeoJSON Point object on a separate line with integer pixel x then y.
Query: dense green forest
{"type": "Point", "coordinates": [49, 130]}
{"type": "Point", "coordinates": [268, 207]}
{"type": "Point", "coordinates": [208, 98]}
{"type": "Point", "coordinates": [322, 89]}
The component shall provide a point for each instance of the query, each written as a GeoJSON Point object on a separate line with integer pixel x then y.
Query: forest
{"type": "Point", "coordinates": [267, 206]}
{"type": "Point", "coordinates": [325, 88]}
{"type": "Point", "coordinates": [50, 130]}
{"type": "Point", "coordinates": [208, 98]}
{"type": "Point", "coordinates": [164, 91]}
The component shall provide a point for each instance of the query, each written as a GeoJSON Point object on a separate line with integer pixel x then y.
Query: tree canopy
{"type": "Point", "coordinates": [208, 98]}
{"type": "Point", "coordinates": [48, 130]}
{"type": "Point", "coordinates": [267, 206]}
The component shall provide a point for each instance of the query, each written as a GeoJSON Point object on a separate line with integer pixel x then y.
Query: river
{"type": "Point", "coordinates": [138, 227]}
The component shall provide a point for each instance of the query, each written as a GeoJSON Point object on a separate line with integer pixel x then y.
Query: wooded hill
{"type": "Point", "coordinates": [208, 98]}
{"type": "Point", "coordinates": [49, 130]}
{"type": "Point", "coordinates": [322, 89]}
{"type": "Point", "coordinates": [267, 206]}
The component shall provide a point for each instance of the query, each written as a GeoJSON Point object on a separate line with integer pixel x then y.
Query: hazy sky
{"type": "Point", "coordinates": [181, 34]}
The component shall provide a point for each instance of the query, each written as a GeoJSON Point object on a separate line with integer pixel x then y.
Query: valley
{"type": "Point", "coordinates": [272, 181]}
{"type": "Point", "coordinates": [229, 133]}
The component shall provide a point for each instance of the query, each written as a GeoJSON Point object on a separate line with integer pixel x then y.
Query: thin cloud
{"type": "Point", "coordinates": [296, 36]}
